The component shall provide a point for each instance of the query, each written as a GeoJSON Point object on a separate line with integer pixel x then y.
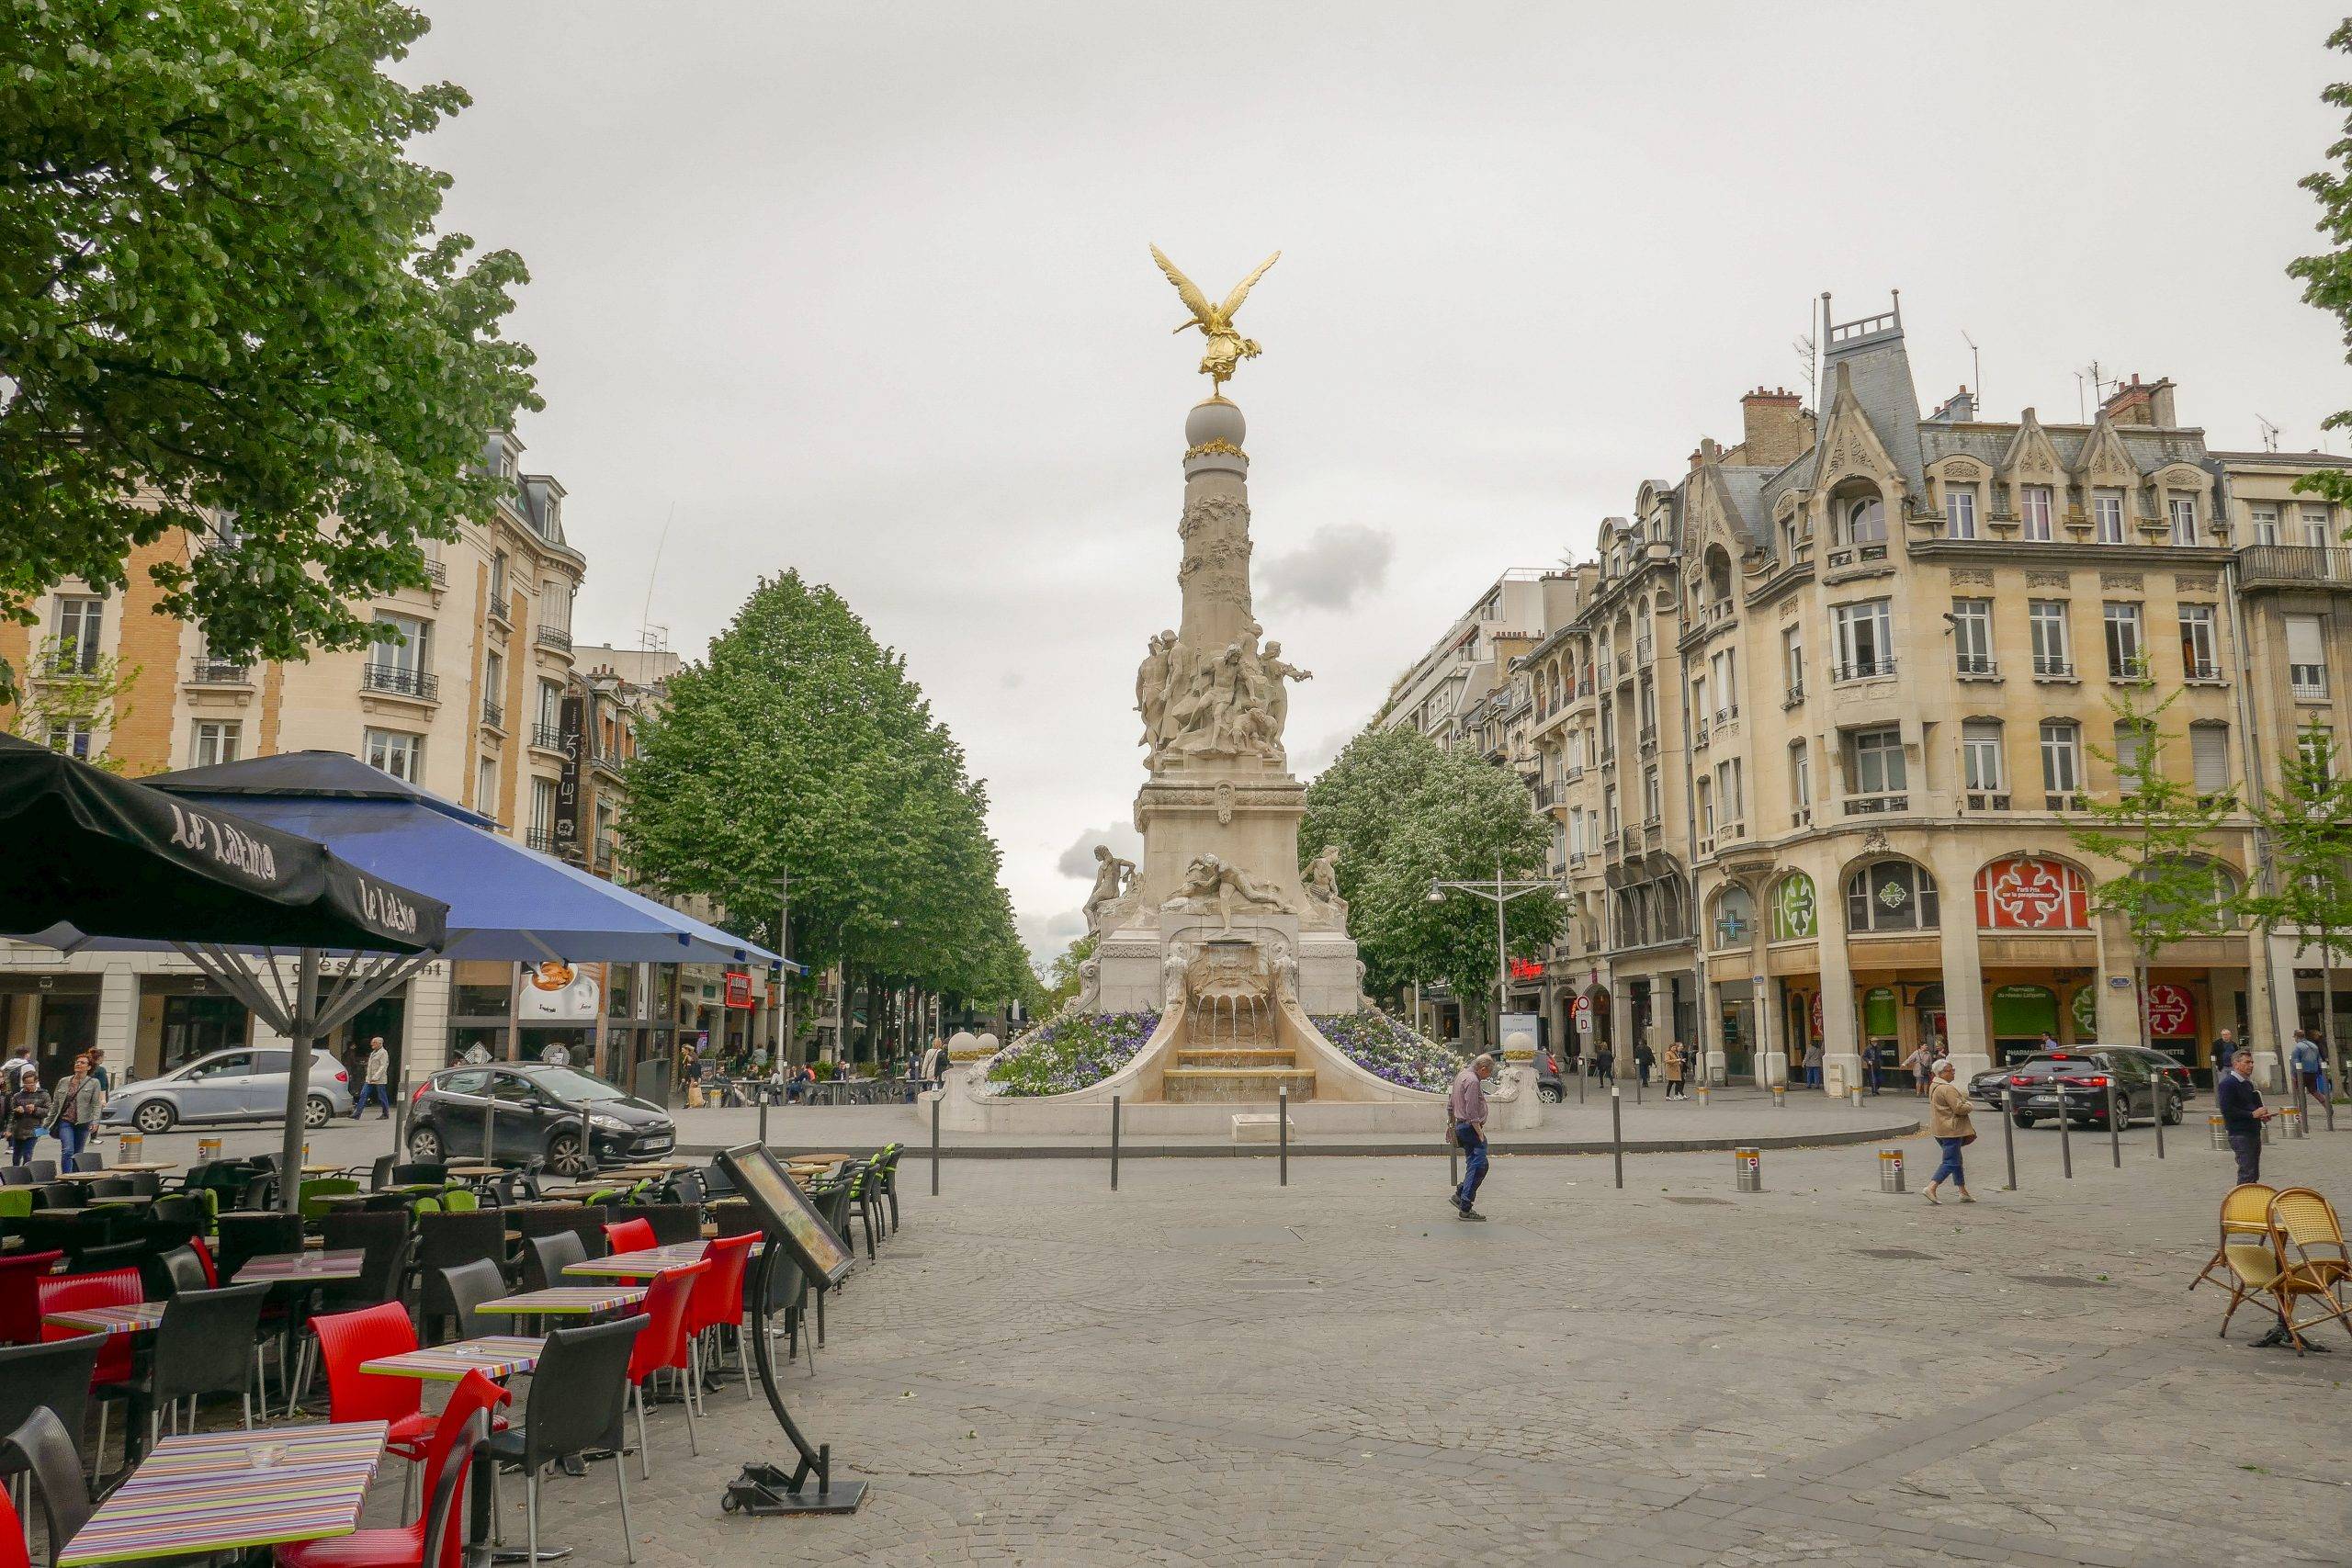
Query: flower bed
{"type": "Point", "coordinates": [1386, 1048]}
{"type": "Point", "coordinates": [1070, 1054]}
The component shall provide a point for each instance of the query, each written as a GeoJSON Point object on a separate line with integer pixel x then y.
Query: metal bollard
{"type": "Point", "coordinates": [2164, 1097]}
{"type": "Point", "coordinates": [2065, 1136]}
{"type": "Point", "coordinates": [1747, 1170]}
{"type": "Point", "coordinates": [2298, 1124]}
{"type": "Point", "coordinates": [1115, 1143]}
{"type": "Point", "coordinates": [934, 1142]}
{"type": "Point", "coordinates": [1617, 1134]}
{"type": "Point", "coordinates": [2009, 1136]}
{"type": "Point", "coordinates": [1281, 1133]}
{"type": "Point", "coordinates": [1452, 1161]}
{"type": "Point", "coordinates": [763, 1121]}
{"type": "Point", "coordinates": [1890, 1170]}
{"type": "Point", "coordinates": [1584, 1071]}
{"type": "Point", "coordinates": [1639, 1084]}
{"type": "Point", "coordinates": [2114, 1126]}
{"type": "Point", "coordinates": [2220, 1133]}
{"type": "Point", "coordinates": [1854, 1097]}
{"type": "Point", "coordinates": [1780, 1095]}
{"type": "Point", "coordinates": [1703, 1092]}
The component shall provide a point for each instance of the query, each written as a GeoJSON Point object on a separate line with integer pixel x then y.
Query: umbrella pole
{"type": "Point", "coordinates": [305, 1023]}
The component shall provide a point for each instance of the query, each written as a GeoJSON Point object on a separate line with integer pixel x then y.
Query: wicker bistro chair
{"type": "Point", "coordinates": [2313, 1260]}
{"type": "Point", "coordinates": [2245, 1218]}
{"type": "Point", "coordinates": [445, 1240]}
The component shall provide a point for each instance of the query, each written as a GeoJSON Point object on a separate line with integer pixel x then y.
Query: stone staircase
{"type": "Point", "coordinates": [1249, 1069]}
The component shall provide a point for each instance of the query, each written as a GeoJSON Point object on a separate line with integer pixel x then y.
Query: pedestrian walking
{"type": "Point", "coordinates": [1919, 1061]}
{"type": "Point", "coordinates": [25, 1107]}
{"type": "Point", "coordinates": [19, 1061]}
{"type": "Point", "coordinates": [1604, 1062]}
{"type": "Point", "coordinates": [2242, 1113]}
{"type": "Point", "coordinates": [2305, 1058]}
{"type": "Point", "coordinates": [1644, 1060]}
{"type": "Point", "coordinates": [2225, 1049]}
{"type": "Point", "coordinates": [934, 1062]}
{"type": "Point", "coordinates": [690, 1071]}
{"type": "Point", "coordinates": [376, 1081]}
{"type": "Point", "coordinates": [1874, 1057]}
{"type": "Point", "coordinates": [100, 1071]}
{"type": "Point", "coordinates": [1948, 1122]}
{"type": "Point", "coordinates": [1465, 1110]}
{"type": "Point", "coordinates": [1675, 1058]}
{"type": "Point", "coordinates": [76, 1112]}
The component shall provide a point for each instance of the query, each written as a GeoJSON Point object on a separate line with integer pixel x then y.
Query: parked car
{"type": "Point", "coordinates": [1986, 1087]}
{"type": "Point", "coordinates": [2076, 1085]}
{"type": "Point", "coordinates": [534, 1111]}
{"type": "Point", "coordinates": [241, 1085]}
{"type": "Point", "coordinates": [1550, 1087]}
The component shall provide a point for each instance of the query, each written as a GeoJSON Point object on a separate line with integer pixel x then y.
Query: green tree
{"type": "Point", "coordinates": [2327, 275]}
{"type": "Point", "coordinates": [1403, 813]}
{"type": "Point", "coordinates": [1062, 977]}
{"type": "Point", "coordinates": [64, 695]}
{"type": "Point", "coordinates": [2306, 827]}
{"type": "Point", "coordinates": [800, 746]}
{"type": "Point", "coordinates": [2156, 829]}
{"type": "Point", "coordinates": [222, 295]}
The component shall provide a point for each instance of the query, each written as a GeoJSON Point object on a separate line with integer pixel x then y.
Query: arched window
{"type": "Point", "coordinates": [1891, 896]}
{"type": "Point", "coordinates": [2179, 882]}
{"type": "Point", "coordinates": [1718, 573]}
{"type": "Point", "coordinates": [1734, 920]}
{"type": "Point", "coordinates": [2025, 893]}
{"type": "Point", "coordinates": [1863, 519]}
{"type": "Point", "coordinates": [1794, 916]}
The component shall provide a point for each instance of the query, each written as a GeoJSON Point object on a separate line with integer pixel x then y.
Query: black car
{"type": "Point", "coordinates": [1986, 1087]}
{"type": "Point", "coordinates": [535, 1112]}
{"type": "Point", "coordinates": [2076, 1084]}
{"type": "Point", "coordinates": [1550, 1087]}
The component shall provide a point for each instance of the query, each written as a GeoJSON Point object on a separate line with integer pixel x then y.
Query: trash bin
{"type": "Point", "coordinates": [1890, 1170]}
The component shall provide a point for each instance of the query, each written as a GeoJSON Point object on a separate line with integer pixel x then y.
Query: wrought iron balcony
{"type": "Point", "coordinates": [400, 681]}
{"type": "Point", "coordinates": [555, 637]}
{"type": "Point", "coordinates": [2295, 566]}
{"type": "Point", "coordinates": [494, 713]}
{"type": "Point", "coordinates": [548, 737]}
{"type": "Point", "coordinates": [219, 672]}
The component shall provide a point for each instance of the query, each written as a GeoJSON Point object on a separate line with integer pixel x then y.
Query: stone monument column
{"type": "Point", "coordinates": [1215, 573]}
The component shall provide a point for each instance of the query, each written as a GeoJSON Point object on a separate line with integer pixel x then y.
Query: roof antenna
{"type": "Point", "coordinates": [645, 620]}
{"type": "Point", "coordinates": [2269, 434]}
{"type": "Point", "coordinates": [1975, 369]}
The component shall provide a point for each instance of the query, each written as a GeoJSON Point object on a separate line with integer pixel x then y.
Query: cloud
{"type": "Point", "coordinates": [1077, 861]}
{"type": "Point", "coordinates": [1340, 562]}
{"type": "Point", "coordinates": [1306, 761]}
{"type": "Point", "coordinates": [1045, 939]}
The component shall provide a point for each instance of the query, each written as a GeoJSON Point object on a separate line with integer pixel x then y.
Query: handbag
{"type": "Point", "coordinates": [1968, 1140]}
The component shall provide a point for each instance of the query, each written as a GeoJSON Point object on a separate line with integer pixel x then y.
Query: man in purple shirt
{"type": "Point", "coordinates": [1465, 1108]}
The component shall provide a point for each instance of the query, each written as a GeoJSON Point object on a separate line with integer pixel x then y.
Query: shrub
{"type": "Point", "coordinates": [1386, 1048]}
{"type": "Point", "coordinates": [1070, 1054]}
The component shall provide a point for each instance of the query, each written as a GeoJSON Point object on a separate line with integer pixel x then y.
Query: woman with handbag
{"type": "Point", "coordinates": [1947, 1119]}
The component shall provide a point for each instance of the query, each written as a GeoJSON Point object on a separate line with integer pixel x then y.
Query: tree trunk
{"type": "Point", "coordinates": [2326, 1011]}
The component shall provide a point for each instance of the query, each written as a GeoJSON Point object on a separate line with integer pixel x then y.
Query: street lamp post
{"type": "Point", "coordinates": [1500, 894]}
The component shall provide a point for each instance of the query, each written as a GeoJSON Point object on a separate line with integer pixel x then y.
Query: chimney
{"type": "Point", "coordinates": [2143, 403]}
{"type": "Point", "coordinates": [1776, 430]}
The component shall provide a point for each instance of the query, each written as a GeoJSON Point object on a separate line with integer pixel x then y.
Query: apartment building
{"type": "Point", "coordinates": [1817, 728]}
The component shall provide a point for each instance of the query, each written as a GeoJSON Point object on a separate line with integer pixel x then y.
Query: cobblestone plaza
{"type": "Point", "coordinates": [1207, 1368]}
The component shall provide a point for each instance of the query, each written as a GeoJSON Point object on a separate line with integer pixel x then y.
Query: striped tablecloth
{"type": "Point", "coordinates": [299, 1267]}
{"type": "Point", "coordinates": [568, 1301]}
{"type": "Point", "coordinates": [209, 1493]}
{"type": "Point", "coordinates": [493, 1355]}
{"type": "Point", "coordinates": [133, 1319]}
{"type": "Point", "coordinates": [643, 1264]}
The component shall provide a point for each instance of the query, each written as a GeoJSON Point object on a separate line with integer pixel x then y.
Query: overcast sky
{"type": "Point", "coordinates": [863, 290]}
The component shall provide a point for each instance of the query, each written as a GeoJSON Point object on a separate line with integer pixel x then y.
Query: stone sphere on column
{"type": "Point", "coordinates": [1213, 420]}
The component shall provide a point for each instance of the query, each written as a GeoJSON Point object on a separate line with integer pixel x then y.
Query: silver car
{"type": "Point", "coordinates": [243, 1085]}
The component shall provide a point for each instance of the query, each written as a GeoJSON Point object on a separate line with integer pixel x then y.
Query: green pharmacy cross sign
{"type": "Point", "coordinates": [1792, 907]}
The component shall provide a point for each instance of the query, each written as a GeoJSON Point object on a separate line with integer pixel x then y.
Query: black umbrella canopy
{"type": "Point", "coordinates": [111, 858]}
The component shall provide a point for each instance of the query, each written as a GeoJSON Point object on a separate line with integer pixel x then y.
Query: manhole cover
{"type": "Point", "coordinates": [1892, 1252]}
{"type": "Point", "coordinates": [2066, 1280]}
{"type": "Point", "coordinates": [1725, 1202]}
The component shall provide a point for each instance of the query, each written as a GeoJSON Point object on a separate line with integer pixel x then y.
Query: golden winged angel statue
{"type": "Point", "coordinates": [1227, 347]}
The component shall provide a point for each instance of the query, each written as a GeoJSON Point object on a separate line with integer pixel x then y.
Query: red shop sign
{"type": "Point", "coordinates": [2172, 1012]}
{"type": "Point", "coordinates": [738, 988]}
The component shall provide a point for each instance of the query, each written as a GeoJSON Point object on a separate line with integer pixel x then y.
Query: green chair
{"type": "Point", "coordinates": [460, 1200]}
{"type": "Point", "coordinates": [428, 1206]}
{"type": "Point", "coordinates": [307, 1196]}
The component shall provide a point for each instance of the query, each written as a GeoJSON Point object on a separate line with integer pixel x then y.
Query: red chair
{"type": "Point", "coordinates": [663, 1342]}
{"type": "Point", "coordinates": [203, 1251]}
{"type": "Point", "coordinates": [629, 1235]}
{"type": "Point", "coordinates": [112, 1287]}
{"type": "Point", "coordinates": [19, 1301]}
{"type": "Point", "coordinates": [719, 1297]}
{"type": "Point", "coordinates": [402, 1546]}
{"type": "Point", "coordinates": [348, 1339]}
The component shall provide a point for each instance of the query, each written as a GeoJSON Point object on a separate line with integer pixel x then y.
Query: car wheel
{"type": "Point", "coordinates": [1548, 1095]}
{"type": "Point", "coordinates": [155, 1116]}
{"type": "Point", "coordinates": [2174, 1112]}
{"type": "Point", "coordinates": [2022, 1120]}
{"type": "Point", "coordinates": [317, 1111]}
{"type": "Point", "coordinates": [563, 1154]}
{"type": "Point", "coordinates": [424, 1145]}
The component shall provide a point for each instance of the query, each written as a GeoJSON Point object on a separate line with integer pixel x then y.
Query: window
{"type": "Point", "coordinates": [1735, 917]}
{"type": "Point", "coordinates": [2126, 658]}
{"type": "Point", "coordinates": [1972, 634]}
{"type": "Point", "coordinates": [1800, 782]}
{"type": "Point", "coordinates": [498, 605]}
{"type": "Point", "coordinates": [1699, 705]}
{"type": "Point", "coordinates": [494, 675]}
{"type": "Point", "coordinates": [402, 756]}
{"type": "Point", "coordinates": [550, 715]}
{"type": "Point", "coordinates": [2266, 523]}
{"type": "Point", "coordinates": [1576, 833]}
{"type": "Point", "coordinates": [81, 625]}
{"type": "Point", "coordinates": [1865, 520]}
{"type": "Point", "coordinates": [2046, 619]}
{"type": "Point", "coordinates": [1865, 639]}
{"type": "Point", "coordinates": [2316, 531]}
{"type": "Point", "coordinates": [1878, 769]}
{"type": "Point", "coordinates": [2107, 510]}
{"type": "Point", "coordinates": [2198, 658]}
{"type": "Point", "coordinates": [2306, 657]}
{"type": "Point", "coordinates": [1891, 896]}
{"type": "Point", "coordinates": [1649, 706]}
{"type": "Point", "coordinates": [2034, 507]}
{"type": "Point", "coordinates": [399, 642]}
{"type": "Point", "coordinates": [1706, 813]}
{"type": "Point", "coordinates": [1609, 805]}
{"type": "Point", "coordinates": [2134, 740]}
{"type": "Point", "coordinates": [1653, 802]}
{"type": "Point", "coordinates": [1724, 667]}
{"type": "Point", "coordinates": [1960, 508]}
{"type": "Point", "coordinates": [72, 736]}
{"type": "Point", "coordinates": [217, 740]}
{"type": "Point", "coordinates": [555, 604]}
{"type": "Point", "coordinates": [2062, 761]}
{"type": "Point", "coordinates": [2183, 509]}
{"type": "Point", "coordinates": [2208, 749]}
{"type": "Point", "coordinates": [543, 815]}
{"type": "Point", "coordinates": [1792, 662]}
{"type": "Point", "coordinates": [1980, 756]}
{"type": "Point", "coordinates": [486, 787]}
{"type": "Point", "coordinates": [2318, 746]}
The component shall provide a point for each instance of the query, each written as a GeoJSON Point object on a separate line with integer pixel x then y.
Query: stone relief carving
{"type": "Point", "coordinates": [2044, 578]}
{"type": "Point", "coordinates": [1111, 874]}
{"type": "Point", "coordinates": [1976, 575]}
{"type": "Point", "coordinates": [1285, 967]}
{"type": "Point", "coordinates": [1234, 703]}
{"type": "Point", "coordinates": [2195, 585]}
{"type": "Point", "coordinates": [1152, 678]}
{"type": "Point", "coordinates": [1171, 974]}
{"type": "Point", "coordinates": [1323, 886]}
{"type": "Point", "coordinates": [2120, 580]}
{"type": "Point", "coordinates": [1213, 887]}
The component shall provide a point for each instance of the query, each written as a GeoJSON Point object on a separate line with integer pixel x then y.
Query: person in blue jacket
{"type": "Point", "coordinates": [2242, 1114]}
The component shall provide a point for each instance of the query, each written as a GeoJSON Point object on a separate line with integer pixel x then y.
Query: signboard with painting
{"type": "Point", "coordinates": [2023, 893]}
{"type": "Point", "coordinates": [738, 988]}
{"type": "Point", "coordinates": [556, 992]}
{"type": "Point", "coordinates": [2172, 1012]}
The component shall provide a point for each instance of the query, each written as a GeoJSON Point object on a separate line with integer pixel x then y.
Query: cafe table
{"type": "Point", "coordinates": [492, 1355]}
{"type": "Point", "coordinates": [199, 1493]}
{"type": "Point", "coordinates": [567, 1300]}
{"type": "Point", "coordinates": [136, 1318]}
{"type": "Point", "coordinates": [643, 1264]}
{"type": "Point", "coordinates": [322, 1267]}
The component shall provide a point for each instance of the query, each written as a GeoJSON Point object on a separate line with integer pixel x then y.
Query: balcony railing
{"type": "Point", "coordinates": [1642, 650]}
{"type": "Point", "coordinates": [2295, 566]}
{"type": "Point", "coordinates": [1977, 667]}
{"type": "Point", "coordinates": [542, 839]}
{"type": "Point", "coordinates": [219, 672]}
{"type": "Point", "coordinates": [605, 851]}
{"type": "Point", "coordinates": [1796, 696]}
{"type": "Point", "coordinates": [1649, 738]}
{"type": "Point", "coordinates": [494, 713]}
{"type": "Point", "coordinates": [1877, 803]}
{"type": "Point", "coordinates": [1576, 772]}
{"type": "Point", "coordinates": [1988, 800]}
{"type": "Point", "coordinates": [1727, 714]}
{"type": "Point", "coordinates": [1801, 817]}
{"type": "Point", "coordinates": [2052, 667]}
{"type": "Point", "coordinates": [555, 637]}
{"type": "Point", "coordinates": [548, 737]}
{"type": "Point", "coordinates": [1864, 669]}
{"type": "Point", "coordinates": [436, 572]}
{"type": "Point", "coordinates": [400, 682]}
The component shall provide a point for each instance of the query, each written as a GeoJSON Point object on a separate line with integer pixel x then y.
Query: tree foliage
{"type": "Point", "coordinates": [222, 292]}
{"type": "Point", "coordinates": [2307, 835]}
{"type": "Point", "coordinates": [1062, 980]}
{"type": "Point", "coordinates": [1403, 813]}
{"type": "Point", "coordinates": [801, 748]}
{"type": "Point", "coordinates": [2327, 275]}
{"type": "Point", "coordinates": [67, 693]}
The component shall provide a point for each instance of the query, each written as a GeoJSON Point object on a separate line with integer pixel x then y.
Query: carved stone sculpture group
{"type": "Point", "coordinates": [1231, 704]}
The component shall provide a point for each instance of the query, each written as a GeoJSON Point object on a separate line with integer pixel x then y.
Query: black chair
{"type": "Point", "coordinates": [113, 1254]}
{"type": "Point", "coordinates": [43, 1170]}
{"type": "Point", "coordinates": [16, 1176]}
{"type": "Point", "coordinates": [585, 1221]}
{"type": "Point", "coordinates": [687, 1187]}
{"type": "Point", "coordinates": [468, 1285]}
{"type": "Point", "coordinates": [420, 1173]}
{"type": "Point", "coordinates": [200, 1348]}
{"type": "Point", "coordinates": [49, 1193]}
{"type": "Point", "coordinates": [442, 1241]}
{"type": "Point", "coordinates": [172, 1273]}
{"type": "Point", "coordinates": [383, 1239]}
{"type": "Point", "coordinates": [245, 1236]}
{"type": "Point", "coordinates": [173, 1221]}
{"type": "Point", "coordinates": [673, 1223]}
{"type": "Point", "coordinates": [110, 1187]}
{"type": "Point", "coordinates": [379, 1175]}
{"type": "Point", "coordinates": [40, 1446]}
{"type": "Point", "coordinates": [544, 1258]}
{"type": "Point", "coordinates": [886, 1168]}
{"type": "Point", "coordinates": [89, 1159]}
{"type": "Point", "coordinates": [716, 1184]}
{"type": "Point", "coordinates": [54, 1376]}
{"type": "Point", "coordinates": [578, 1404]}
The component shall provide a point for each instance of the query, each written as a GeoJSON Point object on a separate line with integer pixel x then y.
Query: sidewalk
{"type": "Point", "coordinates": [1731, 1117]}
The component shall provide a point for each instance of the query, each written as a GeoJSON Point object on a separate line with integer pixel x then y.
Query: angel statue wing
{"type": "Point", "coordinates": [1194, 300]}
{"type": "Point", "coordinates": [1241, 290]}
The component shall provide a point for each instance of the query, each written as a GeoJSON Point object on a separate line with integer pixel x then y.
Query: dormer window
{"type": "Point", "coordinates": [2035, 503]}
{"type": "Point", "coordinates": [2183, 509]}
{"type": "Point", "coordinates": [1865, 520]}
{"type": "Point", "coordinates": [1960, 508]}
